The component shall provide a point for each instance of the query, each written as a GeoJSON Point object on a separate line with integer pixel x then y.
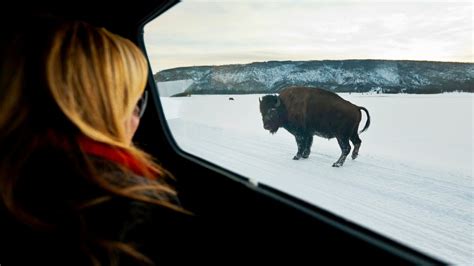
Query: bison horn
{"type": "Point", "coordinates": [259, 99]}
{"type": "Point", "coordinates": [278, 102]}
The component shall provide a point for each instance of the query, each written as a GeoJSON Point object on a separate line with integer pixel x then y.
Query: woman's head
{"type": "Point", "coordinates": [96, 78]}
{"type": "Point", "coordinates": [72, 75]}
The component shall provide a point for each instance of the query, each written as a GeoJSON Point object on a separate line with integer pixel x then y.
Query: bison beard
{"type": "Point", "coordinates": [306, 112]}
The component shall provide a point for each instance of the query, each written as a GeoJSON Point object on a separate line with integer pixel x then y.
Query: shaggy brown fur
{"type": "Point", "coordinates": [306, 112]}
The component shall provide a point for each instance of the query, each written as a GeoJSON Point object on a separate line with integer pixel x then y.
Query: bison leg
{"type": "Point", "coordinates": [307, 146]}
{"type": "Point", "coordinates": [345, 149]}
{"type": "Point", "coordinates": [300, 141]}
{"type": "Point", "coordinates": [356, 141]}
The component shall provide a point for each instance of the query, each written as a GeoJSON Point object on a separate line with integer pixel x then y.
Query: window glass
{"type": "Point", "coordinates": [218, 64]}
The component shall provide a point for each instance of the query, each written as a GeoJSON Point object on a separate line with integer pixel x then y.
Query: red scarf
{"type": "Point", "coordinates": [102, 150]}
{"type": "Point", "coordinates": [116, 155]}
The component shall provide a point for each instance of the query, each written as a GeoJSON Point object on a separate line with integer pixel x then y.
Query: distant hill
{"type": "Point", "coordinates": [340, 76]}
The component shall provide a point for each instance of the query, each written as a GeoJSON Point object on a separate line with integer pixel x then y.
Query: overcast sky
{"type": "Point", "coordinates": [216, 32]}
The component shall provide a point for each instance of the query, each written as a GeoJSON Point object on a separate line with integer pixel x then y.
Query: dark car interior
{"type": "Point", "coordinates": [234, 221]}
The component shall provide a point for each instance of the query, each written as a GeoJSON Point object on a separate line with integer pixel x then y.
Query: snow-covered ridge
{"type": "Point", "coordinates": [341, 76]}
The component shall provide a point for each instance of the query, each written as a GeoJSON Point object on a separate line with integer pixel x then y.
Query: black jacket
{"type": "Point", "coordinates": [160, 233]}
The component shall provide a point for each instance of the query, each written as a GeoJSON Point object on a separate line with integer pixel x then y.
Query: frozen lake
{"type": "Point", "coordinates": [412, 182]}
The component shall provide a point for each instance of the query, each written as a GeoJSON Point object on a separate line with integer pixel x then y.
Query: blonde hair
{"type": "Point", "coordinates": [101, 77]}
{"type": "Point", "coordinates": [89, 80]}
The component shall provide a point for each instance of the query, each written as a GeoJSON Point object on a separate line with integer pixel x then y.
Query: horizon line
{"type": "Point", "coordinates": [319, 60]}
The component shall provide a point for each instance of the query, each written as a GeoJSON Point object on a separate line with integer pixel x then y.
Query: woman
{"type": "Point", "coordinates": [74, 188]}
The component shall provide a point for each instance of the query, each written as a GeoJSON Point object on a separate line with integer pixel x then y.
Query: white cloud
{"type": "Point", "coordinates": [226, 32]}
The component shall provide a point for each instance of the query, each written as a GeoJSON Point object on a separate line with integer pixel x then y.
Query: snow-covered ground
{"type": "Point", "coordinates": [412, 182]}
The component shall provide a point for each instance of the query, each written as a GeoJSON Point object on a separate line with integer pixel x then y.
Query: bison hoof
{"type": "Point", "coordinates": [296, 157]}
{"type": "Point", "coordinates": [305, 156]}
{"type": "Point", "coordinates": [337, 164]}
{"type": "Point", "coordinates": [354, 155]}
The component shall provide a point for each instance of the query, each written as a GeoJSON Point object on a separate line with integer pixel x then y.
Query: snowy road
{"type": "Point", "coordinates": [418, 201]}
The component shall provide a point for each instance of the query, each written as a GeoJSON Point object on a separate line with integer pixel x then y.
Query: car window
{"type": "Point", "coordinates": [223, 69]}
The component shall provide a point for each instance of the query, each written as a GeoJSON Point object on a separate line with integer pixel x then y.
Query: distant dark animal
{"type": "Point", "coordinates": [305, 112]}
{"type": "Point", "coordinates": [231, 98]}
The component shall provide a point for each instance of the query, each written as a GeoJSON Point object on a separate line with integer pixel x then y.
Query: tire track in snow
{"type": "Point", "coordinates": [404, 201]}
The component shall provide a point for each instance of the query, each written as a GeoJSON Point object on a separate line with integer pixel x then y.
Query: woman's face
{"type": "Point", "coordinates": [132, 124]}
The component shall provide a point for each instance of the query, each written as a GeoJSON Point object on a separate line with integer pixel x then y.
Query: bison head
{"type": "Point", "coordinates": [270, 106]}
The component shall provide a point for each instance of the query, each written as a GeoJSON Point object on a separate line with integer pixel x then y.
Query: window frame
{"type": "Point", "coordinates": [315, 212]}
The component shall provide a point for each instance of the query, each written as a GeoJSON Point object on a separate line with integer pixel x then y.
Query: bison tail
{"type": "Point", "coordinates": [367, 123]}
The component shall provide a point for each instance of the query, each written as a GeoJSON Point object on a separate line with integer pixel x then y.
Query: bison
{"type": "Point", "coordinates": [306, 112]}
